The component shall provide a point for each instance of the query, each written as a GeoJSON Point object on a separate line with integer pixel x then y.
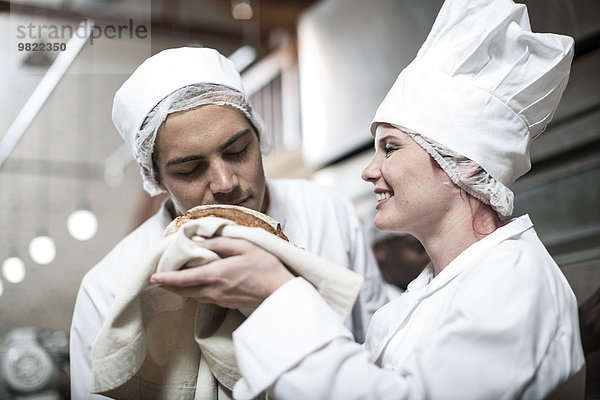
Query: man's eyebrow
{"type": "Point", "coordinates": [185, 159]}
{"type": "Point", "coordinates": [234, 138]}
{"type": "Point", "coordinates": [182, 160]}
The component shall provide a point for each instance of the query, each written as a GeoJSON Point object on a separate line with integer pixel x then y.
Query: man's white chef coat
{"type": "Point", "coordinates": [315, 218]}
{"type": "Point", "coordinates": [499, 322]}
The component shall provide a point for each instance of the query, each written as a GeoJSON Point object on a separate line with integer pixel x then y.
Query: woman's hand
{"type": "Point", "coordinates": [245, 275]}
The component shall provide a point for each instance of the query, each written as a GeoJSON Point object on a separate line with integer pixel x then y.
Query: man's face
{"type": "Point", "coordinates": [210, 155]}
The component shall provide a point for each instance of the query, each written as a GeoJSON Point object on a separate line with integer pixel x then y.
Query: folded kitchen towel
{"type": "Point", "coordinates": [155, 344]}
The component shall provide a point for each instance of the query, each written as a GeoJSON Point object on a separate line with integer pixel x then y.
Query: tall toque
{"type": "Point", "coordinates": [482, 85]}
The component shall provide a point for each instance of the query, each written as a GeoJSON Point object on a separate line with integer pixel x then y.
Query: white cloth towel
{"type": "Point", "coordinates": [155, 344]}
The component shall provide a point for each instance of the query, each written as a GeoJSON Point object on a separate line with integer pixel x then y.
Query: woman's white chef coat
{"type": "Point", "coordinates": [499, 322]}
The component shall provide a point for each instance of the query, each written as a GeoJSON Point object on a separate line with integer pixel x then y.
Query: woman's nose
{"type": "Point", "coordinates": [372, 171]}
{"type": "Point", "coordinates": [223, 178]}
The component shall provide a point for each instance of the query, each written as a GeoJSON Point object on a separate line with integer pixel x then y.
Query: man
{"type": "Point", "coordinates": [186, 118]}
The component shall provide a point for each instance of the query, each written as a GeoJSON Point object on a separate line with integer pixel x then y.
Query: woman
{"type": "Point", "coordinates": [491, 316]}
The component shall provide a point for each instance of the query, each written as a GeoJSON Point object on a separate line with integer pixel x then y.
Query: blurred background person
{"type": "Point", "coordinates": [400, 257]}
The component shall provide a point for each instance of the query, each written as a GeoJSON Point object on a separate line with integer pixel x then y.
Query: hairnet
{"type": "Point", "coordinates": [468, 175]}
{"type": "Point", "coordinates": [175, 80]}
{"type": "Point", "coordinates": [183, 99]}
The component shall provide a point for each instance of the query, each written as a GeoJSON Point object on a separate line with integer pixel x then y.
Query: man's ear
{"type": "Point", "coordinates": [156, 176]}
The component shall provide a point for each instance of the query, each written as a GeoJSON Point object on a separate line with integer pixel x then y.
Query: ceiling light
{"type": "Point", "coordinates": [42, 250]}
{"type": "Point", "coordinates": [241, 9]}
{"type": "Point", "coordinates": [82, 224]}
{"type": "Point", "coordinates": [13, 269]}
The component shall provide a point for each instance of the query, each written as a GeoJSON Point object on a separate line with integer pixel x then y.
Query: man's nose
{"type": "Point", "coordinates": [222, 178]}
{"type": "Point", "coordinates": [372, 171]}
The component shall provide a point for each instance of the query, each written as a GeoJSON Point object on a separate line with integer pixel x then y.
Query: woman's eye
{"type": "Point", "coordinates": [389, 150]}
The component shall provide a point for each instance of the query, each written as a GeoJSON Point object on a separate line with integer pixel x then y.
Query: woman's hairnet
{"type": "Point", "coordinates": [468, 175]}
{"type": "Point", "coordinates": [183, 99]}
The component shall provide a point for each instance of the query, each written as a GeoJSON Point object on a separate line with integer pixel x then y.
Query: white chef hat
{"type": "Point", "coordinates": [171, 81]}
{"type": "Point", "coordinates": [482, 85]}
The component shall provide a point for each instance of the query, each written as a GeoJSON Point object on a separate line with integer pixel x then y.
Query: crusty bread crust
{"type": "Point", "coordinates": [240, 215]}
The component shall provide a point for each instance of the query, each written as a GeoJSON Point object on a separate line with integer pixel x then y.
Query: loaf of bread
{"type": "Point", "coordinates": [240, 215]}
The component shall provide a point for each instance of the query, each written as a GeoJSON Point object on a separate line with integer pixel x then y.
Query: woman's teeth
{"type": "Point", "coordinates": [383, 196]}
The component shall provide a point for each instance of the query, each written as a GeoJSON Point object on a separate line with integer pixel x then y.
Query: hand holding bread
{"type": "Point", "coordinates": [245, 275]}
